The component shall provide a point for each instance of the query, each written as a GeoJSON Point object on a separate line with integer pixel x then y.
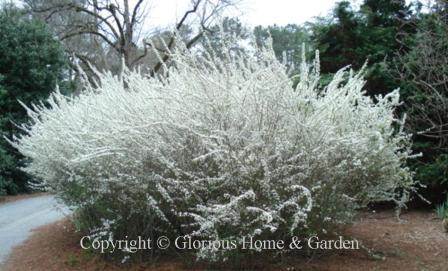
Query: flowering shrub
{"type": "Point", "coordinates": [220, 148]}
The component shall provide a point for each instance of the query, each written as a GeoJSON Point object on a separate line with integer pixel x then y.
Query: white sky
{"type": "Point", "coordinates": [164, 13]}
{"type": "Point", "coordinates": [282, 12]}
{"type": "Point", "coordinates": [251, 12]}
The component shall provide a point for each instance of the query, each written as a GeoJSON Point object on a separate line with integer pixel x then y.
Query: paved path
{"type": "Point", "coordinates": [18, 218]}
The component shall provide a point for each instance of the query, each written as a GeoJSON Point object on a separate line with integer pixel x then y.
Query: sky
{"type": "Point", "coordinates": [282, 12]}
{"type": "Point", "coordinates": [164, 13]}
{"type": "Point", "coordinates": [251, 12]}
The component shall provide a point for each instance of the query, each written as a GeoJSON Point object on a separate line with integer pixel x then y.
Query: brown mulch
{"type": "Point", "coordinates": [418, 242]}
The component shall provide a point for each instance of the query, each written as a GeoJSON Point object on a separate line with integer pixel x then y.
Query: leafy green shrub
{"type": "Point", "coordinates": [32, 61]}
{"type": "Point", "coordinates": [220, 148]}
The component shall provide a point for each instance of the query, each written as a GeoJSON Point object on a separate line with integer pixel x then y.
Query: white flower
{"type": "Point", "coordinates": [221, 148]}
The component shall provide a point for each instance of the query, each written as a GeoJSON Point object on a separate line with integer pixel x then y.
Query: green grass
{"type": "Point", "coordinates": [442, 210]}
{"type": "Point", "coordinates": [72, 260]}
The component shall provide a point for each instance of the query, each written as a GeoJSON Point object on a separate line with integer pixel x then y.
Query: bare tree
{"type": "Point", "coordinates": [424, 70]}
{"type": "Point", "coordinates": [113, 27]}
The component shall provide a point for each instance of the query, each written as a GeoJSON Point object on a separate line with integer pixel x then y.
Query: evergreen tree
{"type": "Point", "coordinates": [421, 72]}
{"type": "Point", "coordinates": [286, 41]}
{"type": "Point", "coordinates": [32, 61]}
{"type": "Point", "coordinates": [353, 36]}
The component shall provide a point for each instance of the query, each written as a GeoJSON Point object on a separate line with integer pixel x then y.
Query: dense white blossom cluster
{"type": "Point", "coordinates": [219, 148]}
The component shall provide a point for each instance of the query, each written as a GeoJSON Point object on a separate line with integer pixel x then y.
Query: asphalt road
{"type": "Point", "coordinates": [18, 218]}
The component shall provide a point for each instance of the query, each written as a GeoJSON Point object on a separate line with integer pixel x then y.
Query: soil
{"type": "Point", "coordinates": [417, 242]}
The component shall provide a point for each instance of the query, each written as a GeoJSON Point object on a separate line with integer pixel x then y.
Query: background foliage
{"type": "Point", "coordinates": [32, 61]}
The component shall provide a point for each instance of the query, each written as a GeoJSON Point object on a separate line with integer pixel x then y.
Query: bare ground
{"type": "Point", "coordinates": [415, 243]}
